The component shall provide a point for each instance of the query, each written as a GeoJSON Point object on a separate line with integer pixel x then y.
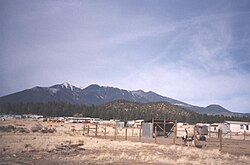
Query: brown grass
{"type": "Point", "coordinates": [37, 148]}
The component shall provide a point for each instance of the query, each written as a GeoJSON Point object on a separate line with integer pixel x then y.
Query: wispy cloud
{"type": "Point", "coordinates": [196, 65]}
{"type": "Point", "coordinates": [199, 55]}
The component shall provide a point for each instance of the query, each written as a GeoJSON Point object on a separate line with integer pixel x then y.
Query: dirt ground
{"type": "Point", "coordinates": [70, 147]}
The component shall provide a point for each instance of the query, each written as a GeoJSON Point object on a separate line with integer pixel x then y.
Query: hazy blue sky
{"type": "Point", "coordinates": [194, 51]}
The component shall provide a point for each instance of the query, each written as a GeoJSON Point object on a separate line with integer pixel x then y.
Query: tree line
{"type": "Point", "coordinates": [62, 109]}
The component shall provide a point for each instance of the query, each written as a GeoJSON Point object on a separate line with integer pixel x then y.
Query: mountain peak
{"type": "Point", "coordinates": [67, 85]}
{"type": "Point", "coordinates": [216, 108]}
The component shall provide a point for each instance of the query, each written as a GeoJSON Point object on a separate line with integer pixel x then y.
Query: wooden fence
{"type": "Point", "coordinates": [214, 139]}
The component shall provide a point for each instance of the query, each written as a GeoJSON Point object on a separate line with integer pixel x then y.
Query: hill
{"type": "Point", "coordinates": [134, 110]}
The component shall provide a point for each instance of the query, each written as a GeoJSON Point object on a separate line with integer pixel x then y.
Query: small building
{"type": "Point", "coordinates": [120, 124]}
{"type": "Point", "coordinates": [214, 127]}
{"type": "Point", "coordinates": [7, 117]}
{"type": "Point", "coordinates": [163, 127]}
{"type": "Point", "coordinates": [77, 120]}
{"type": "Point", "coordinates": [95, 120]}
{"type": "Point", "coordinates": [224, 127]}
{"type": "Point", "coordinates": [238, 126]}
{"type": "Point", "coordinates": [35, 116]}
{"type": "Point", "coordinates": [17, 116]}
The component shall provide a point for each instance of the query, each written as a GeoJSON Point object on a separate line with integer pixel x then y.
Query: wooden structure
{"type": "Point", "coordinates": [220, 137]}
{"type": "Point", "coordinates": [164, 126]}
{"type": "Point", "coordinates": [89, 128]}
{"type": "Point", "coordinates": [159, 127]}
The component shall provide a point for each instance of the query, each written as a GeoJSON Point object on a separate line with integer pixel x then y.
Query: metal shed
{"type": "Point", "coordinates": [147, 130]}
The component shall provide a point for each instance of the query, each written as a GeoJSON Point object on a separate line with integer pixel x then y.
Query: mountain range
{"type": "Point", "coordinates": [98, 95]}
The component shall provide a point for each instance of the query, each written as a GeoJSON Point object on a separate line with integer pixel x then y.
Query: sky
{"type": "Point", "coordinates": [195, 51]}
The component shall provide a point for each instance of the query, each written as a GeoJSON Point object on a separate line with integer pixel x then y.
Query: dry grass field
{"type": "Point", "coordinates": [70, 147]}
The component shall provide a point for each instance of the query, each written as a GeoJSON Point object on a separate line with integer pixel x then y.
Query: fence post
{"type": "Point", "coordinates": [105, 131]}
{"type": "Point", "coordinates": [209, 133]}
{"type": "Point", "coordinates": [132, 131]}
{"type": "Point", "coordinates": [88, 130]}
{"type": "Point", "coordinates": [140, 134]}
{"type": "Point", "coordinates": [126, 133]}
{"type": "Point", "coordinates": [115, 132]}
{"type": "Point", "coordinates": [164, 128]}
{"type": "Point", "coordinates": [96, 130]}
{"type": "Point", "coordinates": [220, 135]}
{"type": "Point", "coordinates": [175, 131]}
{"type": "Point", "coordinates": [83, 130]}
{"type": "Point", "coordinates": [244, 135]}
{"type": "Point", "coordinates": [73, 129]}
{"type": "Point", "coordinates": [195, 138]}
{"type": "Point", "coordinates": [155, 134]}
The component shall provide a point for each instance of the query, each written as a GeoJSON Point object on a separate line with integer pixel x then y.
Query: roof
{"type": "Point", "coordinates": [237, 122]}
{"type": "Point", "coordinates": [202, 124]}
{"type": "Point", "coordinates": [216, 124]}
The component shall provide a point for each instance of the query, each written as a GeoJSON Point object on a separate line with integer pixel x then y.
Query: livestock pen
{"type": "Point", "coordinates": [238, 144]}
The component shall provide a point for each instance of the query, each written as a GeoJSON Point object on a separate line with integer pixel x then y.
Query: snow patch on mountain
{"type": "Point", "coordinates": [67, 85]}
{"type": "Point", "coordinates": [138, 93]}
{"type": "Point", "coordinates": [54, 90]}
